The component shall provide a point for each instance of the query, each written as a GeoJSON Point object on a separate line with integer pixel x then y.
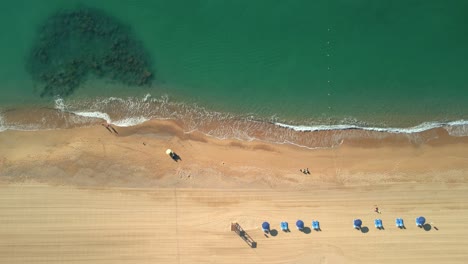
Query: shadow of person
{"type": "Point", "coordinates": [273, 232]}
{"type": "Point", "coordinates": [427, 227]}
{"type": "Point", "coordinates": [306, 230]}
{"type": "Point", "coordinates": [364, 229]}
{"type": "Point", "coordinates": [113, 129]}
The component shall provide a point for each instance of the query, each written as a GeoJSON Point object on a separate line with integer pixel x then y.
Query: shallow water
{"type": "Point", "coordinates": [309, 63]}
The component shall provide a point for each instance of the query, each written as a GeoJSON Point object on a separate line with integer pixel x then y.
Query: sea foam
{"type": "Point", "coordinates": [415, 129]}
{"type": "Point", "coordinates": [132, 111]}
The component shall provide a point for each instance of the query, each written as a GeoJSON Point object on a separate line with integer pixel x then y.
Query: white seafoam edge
{"type": "Point", "coordinates": [416, 129]}
{"type": "Point", "coordinates": [126, 122]}
{"type": "Point", "coordinates": [454, 128]}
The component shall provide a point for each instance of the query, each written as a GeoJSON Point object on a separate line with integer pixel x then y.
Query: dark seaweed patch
{"type": "Point", "coordinates": [74, 44]}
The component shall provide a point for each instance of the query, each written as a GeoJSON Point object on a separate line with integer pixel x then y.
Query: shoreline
{"type": "Point", "coordinates": [91, 156]}
{"type": "Point", "coordinates": [225, 125]}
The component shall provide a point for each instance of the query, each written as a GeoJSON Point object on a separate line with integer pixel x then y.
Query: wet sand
{"type": "Point", "coordinates": [84, 195]}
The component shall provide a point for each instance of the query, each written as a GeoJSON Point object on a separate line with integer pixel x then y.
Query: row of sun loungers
{"type": "Point", "coordinates": [285, 226]}
{"type": "Point", "coordinates": [420, 221]}
{"type": "Point", "coordinates": [357, 223]}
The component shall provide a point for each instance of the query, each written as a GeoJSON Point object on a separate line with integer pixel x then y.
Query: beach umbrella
{"type": "Point", "coordinates": [420, 221]}
{"type": "Point", "coordinates": [169, 152]}
{"type": "Point", "coordinates": [357, 223]}
{"type": "Point", "coordinates": [300, 224]}
{"type": "Point", "coordinates": [265, 226]}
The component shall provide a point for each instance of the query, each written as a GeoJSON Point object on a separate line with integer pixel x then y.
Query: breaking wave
{"type": "Point", "coordinates": [132, 111]}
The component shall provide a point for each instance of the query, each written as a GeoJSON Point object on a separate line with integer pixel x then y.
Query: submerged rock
{"type": "Point", "coordinates": [74, 44]}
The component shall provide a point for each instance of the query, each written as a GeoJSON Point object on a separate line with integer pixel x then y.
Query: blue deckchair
{"type": "Point", "coordinates": [284, 226]}
{"type": "Point", "coordinates": [399, 223]}
{"type": "Point", "coordinates": [315, 225]}
{"type": "Point", "coordinates": [378, 223]}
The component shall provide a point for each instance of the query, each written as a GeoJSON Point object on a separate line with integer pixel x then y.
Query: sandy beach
{"type": "Point", "coordinates": [84, 195]}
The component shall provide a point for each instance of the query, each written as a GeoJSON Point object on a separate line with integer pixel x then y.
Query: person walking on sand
{"type": "Point", "coordinates": [109, 127]}
{"type": "Point", "coordinates": [377, 210]}
{"type": "Point", "coordinates": [113, 129]}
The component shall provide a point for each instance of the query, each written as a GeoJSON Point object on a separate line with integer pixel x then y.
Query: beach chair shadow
{"type": "Point", "coordinates": [364, 229]}
{"type": "Point", "coordinates": [427, 227]}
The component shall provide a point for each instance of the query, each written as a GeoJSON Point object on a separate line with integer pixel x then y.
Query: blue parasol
{"type": "Point", "coordinates": [357, 222]}
{"type": "Point", "coordinates": [300, 224]}
{"type": "Point", "coordinates": [420, 221]}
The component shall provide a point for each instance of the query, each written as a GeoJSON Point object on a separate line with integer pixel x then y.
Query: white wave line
{"type": "Point", "coordinates": [416, 129]}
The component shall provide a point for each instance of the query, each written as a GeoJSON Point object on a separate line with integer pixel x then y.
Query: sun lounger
{"type": "Point", "coordinates": [378, 223]}
{"type": "Point", "coordinates": [315, 225]}
{"type": "Point", "coordinates": [284, 226]}
{"type": "Point", "coordinates": [399, 223]}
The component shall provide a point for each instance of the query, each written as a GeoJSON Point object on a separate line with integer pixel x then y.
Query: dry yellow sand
{"type": "Point", "coordinates": [43, 224]}
{"type": "Point", "coordinates": [83, 195]}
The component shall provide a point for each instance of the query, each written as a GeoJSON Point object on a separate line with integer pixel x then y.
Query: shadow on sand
{"type": "Point", "coordinates": [241, 232]}
{"type": "Point", "coordinates": [364, 229]}
{"type": "Point", "coordinates": [274, 232]}
{"type": "Point", "coordinates": [306, 230]}
{"type": "Point", "coordinates": [427, 227]}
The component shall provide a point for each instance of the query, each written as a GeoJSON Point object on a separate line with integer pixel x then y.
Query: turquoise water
{"type": "Point", "coordinates": [396, 63]}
